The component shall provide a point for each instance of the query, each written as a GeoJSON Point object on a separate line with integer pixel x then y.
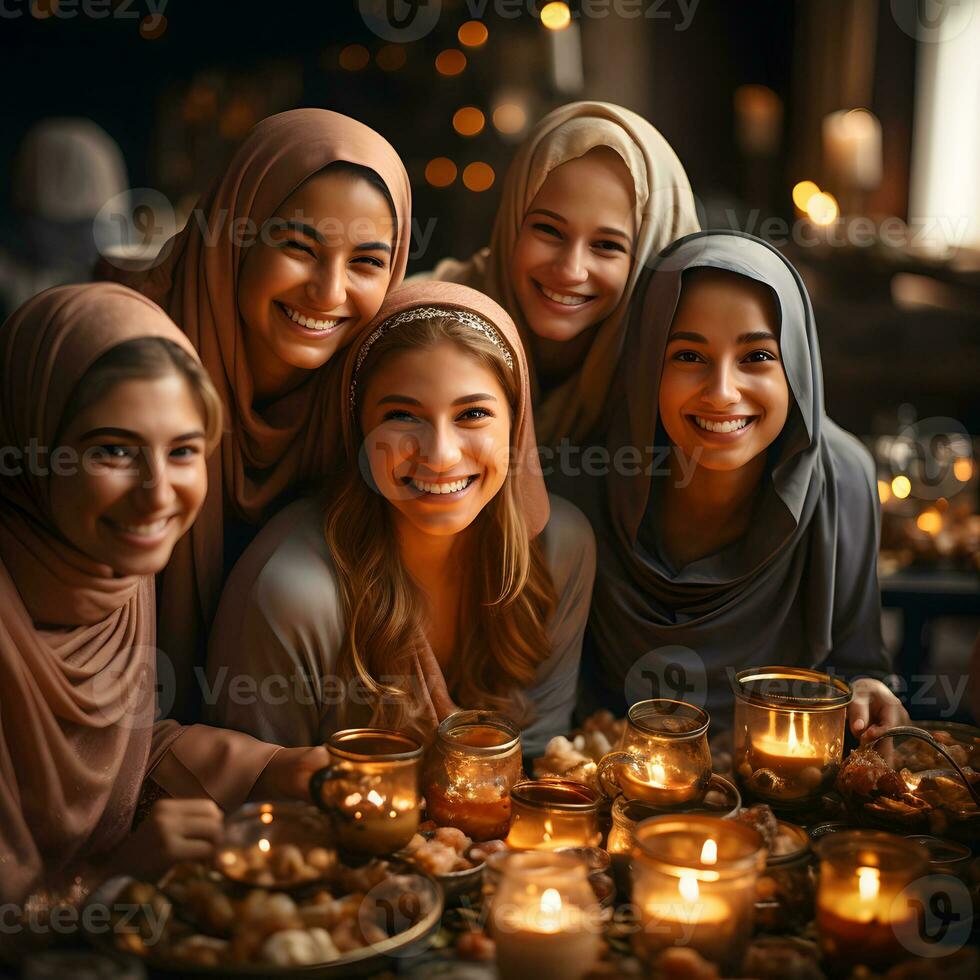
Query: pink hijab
{"type": "Point", "coordinates": [265, 454]}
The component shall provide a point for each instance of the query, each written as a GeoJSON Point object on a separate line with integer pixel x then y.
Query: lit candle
{"type": "Point", "coordinates": [654, 784]}
{"type": "Point", "coordinates": [860, 912]}
{"type": "Point", "coordinates": [370, 823]}
{"type": "Point", "coordinates": [791, 753]}
{"type": "Point", "coordinates": [544, 919]}
{"type": "Point", "coordinates": [551, 813]}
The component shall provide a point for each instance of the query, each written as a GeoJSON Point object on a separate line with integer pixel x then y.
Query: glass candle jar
{"type": "Point", "coordinates": [544, 917]}
{"type": "Point", "coordinates": [550, 813]}
{"type": "Point", "coordinates": [863, 906]}
{"type": "Point", "coordinates": [663, 756]}
{"type": "Point", "coordinates": [785, 889]}
{"type": "Point", "coordinates": [470, 771]}
{"type": "Point", "coordinates": [370, 789]}
{"type": "Point", "coordinates": [276, 845]}
{"type": "Point", "coordinates": [789, 733]}
{"type": "Point", "coordinates": [694, 880]}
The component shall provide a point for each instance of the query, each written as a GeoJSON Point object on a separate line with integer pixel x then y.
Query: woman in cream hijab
{"type": "Point", "coordinates": [591, 196]}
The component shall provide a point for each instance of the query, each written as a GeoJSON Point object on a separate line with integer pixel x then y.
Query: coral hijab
{"type": "Point", "coordinates": [76, 643]}
{"type": "Point", "coordinates": [268, 452]}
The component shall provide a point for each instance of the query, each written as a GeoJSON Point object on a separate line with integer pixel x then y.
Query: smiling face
{"type": "Point", "coordinates": [438, 436]}
{"type": "Point", "coordinates": [723, 392]}
{"type": "Point", "coordinates": [574, 250]}
{"type": "Point", "coordinates": [141, 479]}
{"type": "Point", "coordinates": [319, 271]}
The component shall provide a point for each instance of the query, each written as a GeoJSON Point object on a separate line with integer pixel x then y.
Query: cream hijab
{"type": "Point", "coordinates": [76, 642]}
{"type": "Point", "coordinates": [265, 455]}
{"type": "Point", "coordinates": [665, 210]}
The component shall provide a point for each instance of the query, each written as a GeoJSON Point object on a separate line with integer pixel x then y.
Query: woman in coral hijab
{"type": "Point", "coordinates": [106, 420]}
{"type": "Point", "coordinates": [291, 251]}
{"type": "Point", "coordinates": [592, 195]}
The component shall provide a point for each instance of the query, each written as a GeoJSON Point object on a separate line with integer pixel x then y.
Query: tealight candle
{"type": "Point", "coordinates": [694, 882]}
{"type": "Point", "coordinates": [663, 757]}
{"type": "Point", "coordinates": [861, 912]}
{"type": "Point", "coordinates": [789, 733]}
{"type": "Point", "coordinates": [371, 789]}
{"type": "Point", "coordinates": [544, 918]}
{"type": "Point", "coordinates": [551, 813]}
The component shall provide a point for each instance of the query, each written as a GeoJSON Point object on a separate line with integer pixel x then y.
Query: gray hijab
{"type": "Point", "coordinates": [801, 587]}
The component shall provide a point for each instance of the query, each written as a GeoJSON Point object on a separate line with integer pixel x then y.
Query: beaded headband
{"type": "Point", "coordinates": [471, 320]}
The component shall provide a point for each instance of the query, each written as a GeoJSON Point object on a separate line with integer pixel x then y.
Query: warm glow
{"type": "Point", "coordinates": [901, 487]}
{"type": "Point", "coordinates": [266, 817]}
{"type": "Point", "coordinates": [802, 193]}
{"type": "Point", "coordinates": [468, 121]}
{"type": "Point", "coordinates": [478, 177]}
{"type": "Point", "coordinates": [822, 208]}
{"type": "Point", "coordinates": [473, 34]}
{"type": "Point", "coordinates": [549, 829]}
{"type": "Point", "coordinates": [264, 845]}
{"type": "Point", "coordinates": [353, 799]}
{"type": "Point", "coordinates": [930, 521]}
{"type": "Point", "coordinates": [550, 902]}
{"type": "Point", "coordinates": [375, 797]}
{"type": "Point", "coordinates": [391, 57]}
{"type": "Point", "coordinates": [354, 57]}
{"type": "Point", "coordinates": [450, 62]}
{"type": "Point", "coordinates": [709, 853]}
{"type": "Point", "coordinates": [440, 172]}
{"type": "Point", "coordinates": [657, 774]}
{"type": "Point", "coordinates": [963, 469]}
{"type": "Point", "coordinates": [688, 887]}
{"type": "Point", "coordinates": [556, 16]}
{"type": "Point", "coordinates": [884, 491]}
{"type": "Point", "coordinates": [869, 881]}
{"type": "Point", "coordinates": [509, 118]}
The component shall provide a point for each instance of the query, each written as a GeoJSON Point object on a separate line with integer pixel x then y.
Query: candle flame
{"type": "Point", "coordinates": [658, 774]}
{"type": "Point", "coordinates": [709, 853]}
{"type": "Point", "coordinates": [549, 831]}
{"type": "Point", "coordinates": [264, 845]}
{"type": "Point", "coordinates": [688, 887]}
{"type": "Point", "coordinates": [266, 817]}
{"type": "Point", "coordinates": [352, 800]}
{"type": "Point", "coordinates": [550, 902]}
{"type": "Point", "coordinates": [375, 797]}
{"type": "Point", "coordinates": [869, 881]}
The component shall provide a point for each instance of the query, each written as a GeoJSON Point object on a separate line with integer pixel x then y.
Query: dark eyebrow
{"type": "Point", "coordinates": [463, 400]}
{"type": "Point", "coordinates": [548, 214]}
{"type": "Point", "coordinates": [373, 247]}
{"type": "Point", "coordinates": [109, 430]}
{"type": "Point", "coordinates": [306, 229]}
{"type": "Point", "coordinates": [694, 338]}
{"type": "Point", "coordinates": [756, 335]}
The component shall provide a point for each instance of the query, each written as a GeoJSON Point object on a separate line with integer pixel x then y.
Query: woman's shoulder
{"type": "Point", "coordinates": [287, 570]}
{"type": "Point", "coordinates": [567, 540]}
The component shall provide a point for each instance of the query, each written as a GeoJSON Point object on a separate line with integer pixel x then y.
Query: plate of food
{"type": "Point", "coordinates": [197, 922]}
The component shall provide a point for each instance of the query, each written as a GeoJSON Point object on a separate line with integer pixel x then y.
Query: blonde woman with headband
{"type": "Point", "coordinates": [438, 574]}
{"type": "Point", "coordinates": [592, 195]}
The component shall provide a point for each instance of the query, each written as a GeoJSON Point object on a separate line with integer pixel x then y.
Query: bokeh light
{"type": "Point", "coordinates": [473, 34]}
{"type": "Point", "coordinates": [440, 172]}
{"type": "Point", "coordinates": [391, 57]}
{"type": "Point", "coordinates": [930, 521]}
{"type": "Point", "coordinates": [901, 487]}
{"type": "Point", "coordinates": [450, 62]}
{"type": "Point", "coordinates": [354, 57]}
{"type": "Point", "coordinates": [884, 491]}
{"type": "Point", "coordinates": [469, 121]}
{"type": "Point", "coordinates": [963, 469]}
{"type": "Point", "coordinates": [822, 208]}
{"type": "Point", "coordinates": [802, 193]}
{"type": "Point", "coordinates": [556, 16]}
{"type": "Point", "coordinates": [509, 118]}
{"type": "Point", "coordinates": [479, 177]}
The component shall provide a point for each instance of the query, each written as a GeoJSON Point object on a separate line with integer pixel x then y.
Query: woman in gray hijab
{"type": "Point", "coordinates": [750, 536]}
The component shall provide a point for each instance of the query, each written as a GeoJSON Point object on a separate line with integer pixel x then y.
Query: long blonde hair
{"type": "Point", "coordinates": [508, 594]}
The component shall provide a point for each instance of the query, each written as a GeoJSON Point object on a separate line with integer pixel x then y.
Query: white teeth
{"type": "Point", "coordinates": [728, 426]}
{"type": "Point", "coordinates": [441, 487]}
{"type": "Point", "coordinates": [144, 530]}
{"type": "Point", "coordinates": [566, 299]}
{"type": "Point", "coordinates": [308, 322]}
